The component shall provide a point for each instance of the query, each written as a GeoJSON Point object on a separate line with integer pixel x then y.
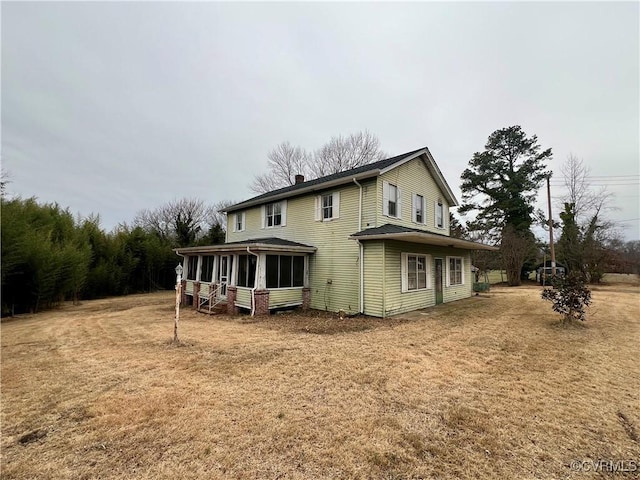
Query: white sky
{"type": "Point", "coordinates": [110, 108]}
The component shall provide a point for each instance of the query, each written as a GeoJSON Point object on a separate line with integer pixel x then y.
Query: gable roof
{"type": "Point", "coordinates": [359, 173]}
{"type": "Point", "coordinates": [406, 234]}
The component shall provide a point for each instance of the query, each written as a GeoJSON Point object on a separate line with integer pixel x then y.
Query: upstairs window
{"type": "Point", "coordinates": [439, 214]}
{"type": "Point", "coordinates": [328, 206]}
{"type": "Point", "coordinates": [391, 200]}
{"type": "Point", "coordinates": [238, 225]}
{"type": "Point", "coordinates": [274, 214]}
{"type": "Point", "coordinates": [418, 209]}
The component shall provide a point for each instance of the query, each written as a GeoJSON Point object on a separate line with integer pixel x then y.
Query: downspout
{"type": "Point", "coordinates": [359, 205]}
{"type": "Point", "coordinates": [253, 290]}
{"type": "Point", "coordinates": [361, 248]}
{"type": "Point", "coordinates": [384, 278]}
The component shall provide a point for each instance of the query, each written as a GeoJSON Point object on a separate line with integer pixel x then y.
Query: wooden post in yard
{"type": "Point", "coordinates": [553, 253]}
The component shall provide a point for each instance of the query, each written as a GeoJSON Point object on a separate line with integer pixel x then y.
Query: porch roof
{"type": "Point", "coordinates": [269, 244]}
{"type": "Point", "coordinates": [405, 234]}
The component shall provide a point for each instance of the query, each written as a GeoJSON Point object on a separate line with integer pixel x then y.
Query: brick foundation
{"type": "Point", "coordinates": [196, 292]}
{"type": "Point", "coordinates": [183, 293]}
{"type": "Point", "coordinates": [262, 302]}
{"type": "Point", "coordinates": [306, 298]}
{"type": "Point", "coordinates": [231, 300]}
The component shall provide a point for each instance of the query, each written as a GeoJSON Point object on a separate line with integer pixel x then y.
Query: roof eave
{"type": "Point", "coordinates": [239, 247]}
{"type": "Point", "coordinates": [428, 239]}
{"type": "Point", "coordinates": [301, 191]}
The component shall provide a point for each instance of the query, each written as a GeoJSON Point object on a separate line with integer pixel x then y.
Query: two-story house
{"type": "Point", "coordinates": [374, 239]}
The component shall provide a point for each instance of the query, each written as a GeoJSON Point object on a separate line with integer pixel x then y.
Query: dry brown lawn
{"type": "Point", "coordinates": [488, 387]}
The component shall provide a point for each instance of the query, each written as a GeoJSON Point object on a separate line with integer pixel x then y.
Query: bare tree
{"type": "Point", "coordinates": [344, 153]}
{"type": "Point", "coordinates": [180, 221]}
{"type": "Point", "coordinates": [285, 162]}
{"type": "Point", "coordinates": [580, 192]}
{"type": "Point", "coordinates": [4, 181]}
{"type": "Point", "coordinates": [586, 233]}
{"type": "Point", "coordinates": [339, 154]}
{"type": "Point", "coordinates": [215, 215]}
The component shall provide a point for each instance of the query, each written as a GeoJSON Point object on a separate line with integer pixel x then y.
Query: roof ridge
{"type": "Point", "coordinates": [384, 163]}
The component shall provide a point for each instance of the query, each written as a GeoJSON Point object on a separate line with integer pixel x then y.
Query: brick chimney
{"type": "Point", "coordinates": [299, 179]}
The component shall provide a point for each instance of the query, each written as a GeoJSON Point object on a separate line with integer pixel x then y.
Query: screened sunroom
{"type": "Point", "coordinates": [257, 275]}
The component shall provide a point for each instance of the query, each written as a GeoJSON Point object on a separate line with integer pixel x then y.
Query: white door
{"type": "Point", "coordinates": [223, 274]}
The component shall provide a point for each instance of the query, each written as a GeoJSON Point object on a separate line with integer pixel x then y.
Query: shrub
{"type": "Point", "coordinates": [569, 296]}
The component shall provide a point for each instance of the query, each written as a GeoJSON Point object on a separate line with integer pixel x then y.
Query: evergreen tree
{"type": "Point", "coordinates": [500, 184]}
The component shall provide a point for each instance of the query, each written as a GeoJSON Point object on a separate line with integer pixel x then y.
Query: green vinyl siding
{"type": "Point", "coordinates": [334, 272]}
{"type": "Point", "coordinates": [373, 292]}
{"type": "Point", "coordinates": [282, 297]}
{"type": "Point", "coordinates": [334, 269]}
{"type": "Point", "coordinates": [413, 177]}
{"type": "Point", "coordinates": [398, 302]}
{"type": "Point", "coordinates": [243, 297]}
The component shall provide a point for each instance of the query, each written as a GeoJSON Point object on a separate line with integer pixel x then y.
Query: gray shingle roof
{"type": "Point", "coordinates": [285, 191]}
{"type": "Point", "coordinates": [267, 243]}
{"type": "Point", "coordinates": [388, 228]}
{"type": "Point", "coordinates": [280, 242]}
{"type": "Point", "coordinates": [398, 232]}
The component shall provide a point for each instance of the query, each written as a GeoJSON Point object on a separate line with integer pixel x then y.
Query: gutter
{"type": "Point", "coordinates": [299, 191]}
{"type": "Point", "coordinates": [361, 248]}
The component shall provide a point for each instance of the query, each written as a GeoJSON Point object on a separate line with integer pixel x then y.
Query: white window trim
{"type": "Point", "coordinates": [414, 209]}
{"type": "Point", "coordinates": [404, 262]}
{"type": "Point", "coordinates": [283, 214]}
{"type": "Point", "coordinates": [385, 200]}
{"type": "Point", "coordinates": [243, 218]}
{"type": "Point", "coordinates": [335, 207]}
{"type": "Point", "coordinates": [448, 273]}
{"type": "Point", "coordinates": [435, 215]}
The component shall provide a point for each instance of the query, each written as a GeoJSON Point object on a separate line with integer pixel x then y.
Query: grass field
{"type": "Point", "coordinates": [488, 387]}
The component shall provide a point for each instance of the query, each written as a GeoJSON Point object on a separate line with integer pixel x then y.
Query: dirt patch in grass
{"type": "Point", "coordinates": [488, 387]}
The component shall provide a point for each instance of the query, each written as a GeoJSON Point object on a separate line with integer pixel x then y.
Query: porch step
{"type": "Point", "coordinates": [218, 309]}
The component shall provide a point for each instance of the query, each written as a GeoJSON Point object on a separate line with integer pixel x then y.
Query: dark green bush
{"type": "Point", "coordinates": [569, 296]}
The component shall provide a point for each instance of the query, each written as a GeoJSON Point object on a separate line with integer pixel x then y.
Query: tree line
{"type": "Point", "coordinates": [49, 256]}
{"type": "Point", "coordinates": [500, 186]}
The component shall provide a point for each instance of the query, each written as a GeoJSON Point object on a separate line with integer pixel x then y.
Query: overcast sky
{"type": "Point", "coordinates": [110, 108]}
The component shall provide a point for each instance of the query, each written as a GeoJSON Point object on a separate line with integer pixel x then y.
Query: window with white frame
{"type": "Point", "coordinates": [456, 272]}
{"type": "Point", "coordinates": [192, 267]}
{"type": "Point", "coordinates": [206, 269]}
{"type": "Point", "coordinates": [439, 214]}
{"type": "Point", "coordinates": [391, 200]}
{"type": "Point", "coordinates": [415, 272]}
{"type": "Point", "coordinates": [246, 271]}
{"type": "Point", "coordinates": [239, 225]}
{"type": "Point", "coordinates": [283, 271]}
{"type": "Point", "coordinates": [328, 206]}
{"type": "Point", "coordinates": [274, 214]}
{"type": "Point", "coordinates": [418, 209]}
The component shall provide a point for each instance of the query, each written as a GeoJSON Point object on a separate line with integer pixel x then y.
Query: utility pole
{"type": "Point", "coordinates": [553, 252]}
